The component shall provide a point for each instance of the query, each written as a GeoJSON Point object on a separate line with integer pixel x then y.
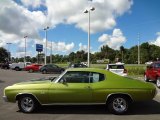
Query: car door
{"type": "Point", "coordinates": [152, 72]}
{"type": "Point", "coordinates": [55, 68]}
{"type": "Point", "coordinates": [73, 87]}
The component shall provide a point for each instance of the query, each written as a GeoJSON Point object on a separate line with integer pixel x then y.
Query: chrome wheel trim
{"type": "Point", "coordinates": [119, 105]}
{"type": "Point", "coordinates": [158, 82]}
{"type": "Point", "coordinates": [27, 104]}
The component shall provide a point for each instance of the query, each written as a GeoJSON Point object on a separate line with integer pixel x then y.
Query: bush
{"type": "Point", "coordinates": [136, 70]}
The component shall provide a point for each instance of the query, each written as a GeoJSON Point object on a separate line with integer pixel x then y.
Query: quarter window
{"type": "Point", "coordinates": [96, 77]}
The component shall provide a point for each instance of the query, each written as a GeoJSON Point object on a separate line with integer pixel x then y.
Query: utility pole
{"type": "Point", "coordinates": [51, 54]}
{"type": "Point", "coordinates": [138, 48]}
{"type": "Point", "coordinates": [45, 58]}
{"type": "Point", "coordinates": [9, 55]}
{"type": "Point", "coordinates": [25, 37]}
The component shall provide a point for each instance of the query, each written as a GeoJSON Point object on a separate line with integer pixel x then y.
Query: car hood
{"type": "Point", "coordinates": [34, 82]}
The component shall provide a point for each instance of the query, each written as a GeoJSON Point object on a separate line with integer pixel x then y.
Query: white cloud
{"type": "Point", "coordinates": [115, 40]}
{"type": "Point", "coordinates": [17, 21]}
{"type": "Point", "coordinates": [83, 47]}
{"type": "Point", "coordinates": [71, 12]}
{"type": "Point", "coordinates": [60, 46]}
{"type": "Point", "coordinates": [157, 41]}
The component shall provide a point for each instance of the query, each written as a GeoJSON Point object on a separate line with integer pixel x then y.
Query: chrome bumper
{"type": "Point", "coordinates": [5, 98]}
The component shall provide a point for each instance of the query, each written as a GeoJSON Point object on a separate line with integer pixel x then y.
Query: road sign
{"type": "Point", "coordinates": [39, 47]}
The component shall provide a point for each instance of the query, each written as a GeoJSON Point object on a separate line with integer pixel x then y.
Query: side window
{"type": "Point", "coordinates": [157, 65]}
{"type": "Point", "coordinates": [54, 66]}
{"type": "Point", "coordinates": [76, 77]}
{"type": "Point", "coordinates": [96, 77]}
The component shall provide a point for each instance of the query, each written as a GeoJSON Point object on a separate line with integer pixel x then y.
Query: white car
{"type": "Point", "coordinates": [117, 68]}
{"type": "Point", "coordinates": [19, 66]}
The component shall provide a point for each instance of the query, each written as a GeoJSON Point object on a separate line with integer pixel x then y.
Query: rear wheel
{"type": "Point", "coordinates": [27, 104]}
{"type": "Point", "coordinates": [118, 105]}
{"type": "Point", "coordinates": [158, 82]}
{"type": "Point", "coordinates": [17, 68]}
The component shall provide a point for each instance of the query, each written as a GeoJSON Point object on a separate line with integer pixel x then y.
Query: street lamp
{"type": "Point", "coordinates": [51, 54]}
{"type": "Point", "coordinates": [25, 37]}
{"type": "Point", "coordinates": [139, 49]}
{"type": "Point", "coordinates": [45, 59]}
{"type": "Point", "coordinates": [88, 11]}
{"type": "Point", "coordinates": [9, 50]}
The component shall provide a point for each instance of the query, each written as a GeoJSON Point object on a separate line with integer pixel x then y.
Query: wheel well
{"type": "Point", "coordinates": [26, 94]}
{"type": "Point", "coordinates": [127, 96]}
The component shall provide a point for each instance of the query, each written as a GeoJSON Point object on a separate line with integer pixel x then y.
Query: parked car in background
{"type": "Point", "coordinates": [81, 86]}
{"type": "Point", "coordinates": [152, 73]}
{"type": "Point", "coordinates": [77, 65]}
{"type": "Point", "coordinates": [148, 63]}
{"type": "Point", "coordinates": [51, 68]}
{"type": "Point", "coordinates": [117, 68]}
{"type": "Point", "coordinates": [19, 66]}
{"type": "Point", "coordinates": [33, 67]}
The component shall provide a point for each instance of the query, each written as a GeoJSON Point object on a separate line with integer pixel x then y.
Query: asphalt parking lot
{"type": "Point", "coordinates": [149, 110]}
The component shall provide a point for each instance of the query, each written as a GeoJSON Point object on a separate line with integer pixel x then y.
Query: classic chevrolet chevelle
{"type": "Point", "coordinates": [81, 86]}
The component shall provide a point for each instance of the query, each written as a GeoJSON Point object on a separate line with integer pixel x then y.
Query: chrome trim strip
{"type": "Point", "coordinates": [75, 104]}
{"type": "Point", "coordinates": [60, 76]}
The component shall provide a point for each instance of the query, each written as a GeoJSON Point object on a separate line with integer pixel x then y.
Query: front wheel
{"type": "Point", "coordinates": [146, 78]}
{"type": "Point", "coordinates": [158, 82]}
{"type": "Point", "coordinates": [27, 104]}
{"type": "Point", "coordinates": [30, 70]}
{"type": "Point", "coordinates": [118, 105]}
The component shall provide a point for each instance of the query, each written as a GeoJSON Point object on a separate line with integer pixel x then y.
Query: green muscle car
{"type": "Point", "coordinates": [81, 86]}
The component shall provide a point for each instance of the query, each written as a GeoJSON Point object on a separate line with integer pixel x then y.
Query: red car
{"type": "Point", "coordinates": [153, 73]}
{"type": "Point", "coordinates": [33, 67]}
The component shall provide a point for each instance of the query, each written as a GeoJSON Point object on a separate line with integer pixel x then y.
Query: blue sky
{"type": "Point", "coordinates": [113, 23]}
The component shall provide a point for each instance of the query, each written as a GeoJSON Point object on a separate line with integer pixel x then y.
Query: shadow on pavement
{"type": "Point", "coordinates": [139, 108]}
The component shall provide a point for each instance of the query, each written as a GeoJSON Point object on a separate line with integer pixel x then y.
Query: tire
{"type": "Point", "coordinates": [27, 104]}
{"type": "Point", "coordinates": [17, 68]}
{"type": "Point", "coordinates": [30, 70]}
{"type": "Point", "coordinates": [158, 82]}
{"type": "Point", "coordinates": [44, 72]}
{"type": "Point", "coordinates": [118, 105]}
{"type": "Point", "coordinates": [146, 79]}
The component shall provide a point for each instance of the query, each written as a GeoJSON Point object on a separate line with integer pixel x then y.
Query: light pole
{"type": "Point", "coordinates": [45, 58]}
{"type": "Point", "coordinates": [25, 37]}
{"type": "Point", "coordinates": [138, 48]}
{"type": "Point", "coordinates": [51, 54]}
{"type": "Point", "coordinates": [88, 11]}
{"type": "Point", "coordinates": [9, 50]}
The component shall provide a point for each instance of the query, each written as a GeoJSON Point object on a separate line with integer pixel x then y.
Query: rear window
{"type": "Point", "coordinates": [116, 67]}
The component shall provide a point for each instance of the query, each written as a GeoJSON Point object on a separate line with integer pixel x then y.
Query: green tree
{"type": "Point", "coordinates": [4, 55]}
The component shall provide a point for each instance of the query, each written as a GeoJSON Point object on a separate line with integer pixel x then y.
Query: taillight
{"type": "Point", "coordinates": [125, 71]}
